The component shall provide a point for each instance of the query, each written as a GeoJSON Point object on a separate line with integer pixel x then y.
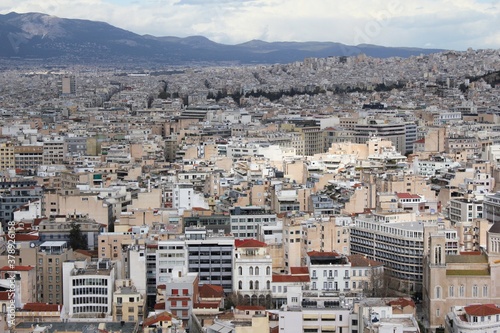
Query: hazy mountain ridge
{"type": "Point", "coordinates": [36, 35]}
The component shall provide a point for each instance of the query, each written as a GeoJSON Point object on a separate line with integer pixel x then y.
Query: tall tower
{"type": "Point", "coordinates": [67, 85]}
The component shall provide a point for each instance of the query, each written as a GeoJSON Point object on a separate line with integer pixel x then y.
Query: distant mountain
{"type": "Point", "coordinates": [41, 36]}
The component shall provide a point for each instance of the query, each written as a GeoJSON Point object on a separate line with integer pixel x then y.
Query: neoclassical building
{"type": "Point", "coordinates": [459, 280]}
{"type": "Point", "coordinates": [252, 272]}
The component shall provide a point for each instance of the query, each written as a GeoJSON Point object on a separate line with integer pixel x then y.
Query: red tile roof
{"type": "Point", "coordinates": [164, 316]}
{"type": "Point", "coordinates": [482, 310]}
{"type": "Point", "coordinates": [420, 141]}
{"type": "Point", "coordinates": [290, 278]}
{"type": "Point", "coordinates": [210, 291]}
{"type": "Point", "coordinates": [248, 243]}
{"type": "Point", "coordinates": [402, 302]}
{"type": "Point", "coordinates": [299, 270]}
{"type": "Point", "coordinates": [26, 237]}
{"type": "Point", "coordinates": [250, 308]}
{"type": "Point", "coordinates": [323, 254]}
{"type": "Point", "coordinates": [161, 286]}
{"type": "Point", "coordinates": [4, 295]}
{"type": "Point", "coordinates": [178, 298]}
{"type": "Point", "coordinates": [41, 307]}
{"type": "Point", "coordinates": [16, 268]}
{"type": "Point", "coordinates": [407, 196]}
{"type": "Point", "coordinates": [160, 306]}
{"type": "Point", "coordinates": [206, 305]}
{"type": "Point", "coordinates": [358, 260]}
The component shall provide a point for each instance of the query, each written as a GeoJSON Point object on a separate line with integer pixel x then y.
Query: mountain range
{"type": "Point", "coordinates": [41, 36]}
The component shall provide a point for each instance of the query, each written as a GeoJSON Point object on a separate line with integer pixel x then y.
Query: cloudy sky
{"type": "Point", "coordinates": [450, 24]}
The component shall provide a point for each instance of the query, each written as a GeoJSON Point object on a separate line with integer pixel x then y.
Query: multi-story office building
{"type": "Point", "coordinates": [252, 272]}
{"type": "Point", "coordinates": [50, 259]}
{"type": "Point", "coordinates": [76, 146]}
{"type": "Point", "coordinates": [410, 136]}
{"type": "Point", "coordinates": [465, 210]}
{"type": "Point", "coordinates": [397, 241]}
{"type": "Point", "coordinates": [28, 157]}
{"type": "Point", "coordinates": [54, 150]}
{"type": "Point", "coordinates": [491, 207]}
{"type": "Point", "coordinates": [208, 220]}
{"type": "Point", "coordinates": [212, 258]}
{"type": "Point", "coordinates": [67, 85]}
{"type": "Point", "coordinates": [88, 288]}
{"type": "Point", "coordinates": [394, 132]}
{"type": "Point", "coordinates": [245, 220]}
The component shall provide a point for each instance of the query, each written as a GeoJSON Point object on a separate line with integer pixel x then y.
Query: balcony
{"type": "Point", "coordinates": [347, 277]}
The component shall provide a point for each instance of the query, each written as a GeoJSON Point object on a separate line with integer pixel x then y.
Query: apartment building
{"type": "Point", "coordinates": [50, 259]}
{"type": "Point", "coordinates": [88, 288]}
{"type": "Point", "coordinates": [465, 210]}
{"type": "Point", "coordinates": [330, 272]}
{"type": "Point", "coordinates": [245, 220]}
{"type": "Point", "coordinates": [28, 157]}
{"type": "Point", "coordinates": [7, 156]}
{"type": "Point", "coordinates": [252, 272]}
{"type": "Point", "coordinates": [483, 317]}
{"type": "Point", "coordinates": [129, 305]}
{"type": "Point", "coordinates": [54, 150]}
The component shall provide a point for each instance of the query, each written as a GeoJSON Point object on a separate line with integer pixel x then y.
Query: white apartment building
{"type": "Point", "coordinates": [171, 256]}
{"type": "Point", "coordinates": [88, 288]}
{"type": "Point", "coordinates": [245, 221]}
{"type": "Point", "coordinates": [329, 271]}
{"type": "Point", "coordinates": [464, 210]}
{"type": "Point", "coordinates": [252, 271]}
{"type": "Point", "coordinates": [484, 318]}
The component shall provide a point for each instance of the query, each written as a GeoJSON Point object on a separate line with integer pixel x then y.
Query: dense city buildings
{"type": "Point", "coordinates": [339, 194]}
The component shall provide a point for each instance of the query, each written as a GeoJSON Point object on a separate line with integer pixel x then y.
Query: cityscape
{"type": "Point", "coordinates": [346, 193]}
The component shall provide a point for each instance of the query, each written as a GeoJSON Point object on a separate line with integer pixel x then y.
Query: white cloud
{"type": "Point", "coordinates": [455, 24]}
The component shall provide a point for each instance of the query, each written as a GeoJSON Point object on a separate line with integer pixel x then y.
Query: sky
{"type": "Point", "coordinates": [446, 24]}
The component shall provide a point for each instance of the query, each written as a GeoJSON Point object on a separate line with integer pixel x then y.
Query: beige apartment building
{"type": "Point", "coordinates": [7, 158]}
{"type": "Point", "coordinates": [128, 304]}
{"type": "Point", "coordinates": [28, 157]}
{"type": "Point", "coordinates": [50, 259]}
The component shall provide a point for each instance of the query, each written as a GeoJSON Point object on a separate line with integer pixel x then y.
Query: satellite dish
{"type": "Point", "coordinates": [32, 244]}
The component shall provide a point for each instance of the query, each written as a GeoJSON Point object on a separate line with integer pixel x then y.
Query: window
{"type": "Point", "coordinates": [485, 291]}
{"type": "Point", "coordinates": [268, 270]}
{"type": "Point", "coordinates": [250, 271]}
{"type": "Point", "coordinates": [240, 285]}
{"type": "Point", "coordinates": [256, 270]}
{"type": "Point", "coordinates": [474, 291]}
{"type": "Point", "coordinates": [451, 291]}
{"type": "Point", "coordinates": [438, 292]}
{"type": "Point", "coordinates": [251, 285]}
{"type": "Point", "coordinates": [461, 291]}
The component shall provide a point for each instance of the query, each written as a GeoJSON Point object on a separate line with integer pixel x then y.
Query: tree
{"type": "Point", "coordinates": [77, 241]}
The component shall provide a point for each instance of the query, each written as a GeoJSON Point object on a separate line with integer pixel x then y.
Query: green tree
{"type": "Point", "coordinates": [77, 241]}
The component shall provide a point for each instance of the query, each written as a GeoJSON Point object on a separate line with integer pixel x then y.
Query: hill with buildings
{"type": "Point", "coordinates": [41, 36]}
